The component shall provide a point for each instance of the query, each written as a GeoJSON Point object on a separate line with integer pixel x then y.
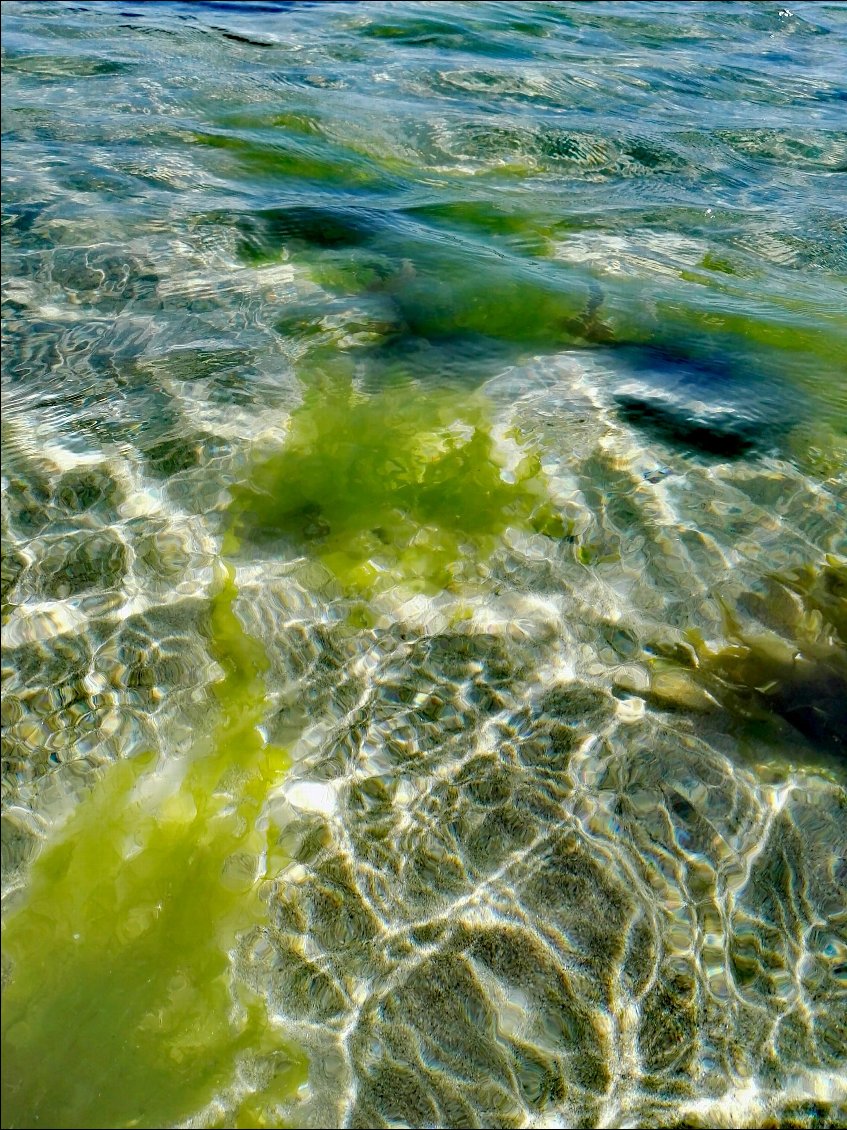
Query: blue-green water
{"type": "Point", "coordinates": [424, 564]}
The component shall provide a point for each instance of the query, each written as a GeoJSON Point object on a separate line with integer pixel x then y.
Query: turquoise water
{"type": "Point", "coordinates": [424, 578]}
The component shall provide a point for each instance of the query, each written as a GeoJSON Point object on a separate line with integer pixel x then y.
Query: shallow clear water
{"type": "Point", "coordinates": [424, 564]}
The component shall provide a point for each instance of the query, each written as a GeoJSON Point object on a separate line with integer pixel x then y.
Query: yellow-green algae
{"type": "Point", "coordinates": [790, 667]}
{"type": "Point", "coordinates": [120, 1010]}
{"type": "Point", "coordinates": [405, 489]}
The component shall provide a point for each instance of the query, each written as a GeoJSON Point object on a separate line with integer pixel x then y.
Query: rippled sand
{"type": "Point", "coordinates": [424, 576]}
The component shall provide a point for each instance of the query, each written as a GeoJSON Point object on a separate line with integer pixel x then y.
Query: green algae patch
{"type": "Point", "coordinates": [405, 488]}
{"type": "Point", "coordinates": [120, 1010]}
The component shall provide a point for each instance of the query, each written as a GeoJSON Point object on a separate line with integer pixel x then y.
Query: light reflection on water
{"type": "Point", "coordinates": [498, 348]}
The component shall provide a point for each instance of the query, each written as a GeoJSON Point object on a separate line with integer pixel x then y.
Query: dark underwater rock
{"type": "Point", "coordinates": [717, 433]}
{"type": "Point", "coordinates": [713, 406]}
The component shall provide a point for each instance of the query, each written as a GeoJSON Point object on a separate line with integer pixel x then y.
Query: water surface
{"type": "Point", "coordinates": [424, 564]}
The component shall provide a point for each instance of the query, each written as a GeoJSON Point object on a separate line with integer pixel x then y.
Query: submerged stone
{"type": "Point", "coordinates": [715, 433]}
{"type": "Point", "coordinates": [702, 405]}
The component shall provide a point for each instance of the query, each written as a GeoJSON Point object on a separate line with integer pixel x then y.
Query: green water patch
{"type": "Point", "coordinates": [445, 35]}
{"type": "Point", "coordinates": [265, 234]}
{"type": "Point", "coordinates": [302, 123]}
{"type": "Point", "coordinates": [120, 1010]}
{"type": "Point", "coordinates": [405, 488]}
{"type": "Point", "coordinates": [60, 68]}
{"type": "Point", "coordinates": [277, 155]}
{"type": "Point", "coordinates": [440, 297]}
{"type": "Point", "coordinates": [443, 272]}
{"type": "Point", "coordinates": [455, 276]}
{"type": "Point", "coordinates": [788, 331]}
{"type": "Point", "coordinates": [480, 293]}
{"type": "Point", "coordinates": [524, 232]}
{"type": "Point", "coordinates": [440, 283]}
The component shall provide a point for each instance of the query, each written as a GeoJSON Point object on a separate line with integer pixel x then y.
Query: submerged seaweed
{"type": "Point", "coordinates": [120, 947]}
{"type": "Point", "coordinates": [399, 489]}
{"type": "Point", "coordinates": [796, 668]}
